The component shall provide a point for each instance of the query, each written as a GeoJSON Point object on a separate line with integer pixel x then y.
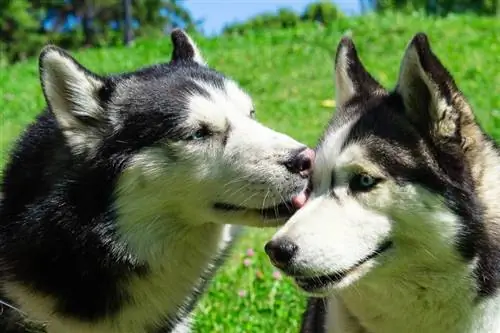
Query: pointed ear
{"type": "Point", "coordinates": [73, 96]}
{"type": "Point", "coordinates": [184, 49]}
{"type": "Point", "coordinates": [431, 98]}
{"type": "Point", "coordinates": [351, 77]}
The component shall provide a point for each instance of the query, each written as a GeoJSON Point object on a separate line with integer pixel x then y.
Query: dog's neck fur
{"type": "Point", "coordinates": [441, 299]}
{"type": "Point", "coordinates": [178, 269]}
{"type": "Point", "coordinates": [448, 311]}
{"type": "Point", "coordinates": [181, 256]}
{"type": "Point", "coordinates": [441, 302]}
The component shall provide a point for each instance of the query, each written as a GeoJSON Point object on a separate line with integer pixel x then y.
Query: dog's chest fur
{"type": "Point", "coordinates": [159, 301]}
{"type": "Point", "coordinates": [452, 308]}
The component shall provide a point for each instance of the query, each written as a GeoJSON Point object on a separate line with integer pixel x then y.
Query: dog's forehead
{"type": "Point", "coordinates": [172, 90]}
{"type": "Point", "coordinates": [357, 107]}
{"type": "Point", "coordinates": [380, 134]}
{"type": "Point", "coordinates": [331, 145]}
{"type": "Point", "coordinates": [217, 107]}
{"type": "Point", "coordinates": [238, 96]}
{"type": "Point", "coordinates": [227, 98]}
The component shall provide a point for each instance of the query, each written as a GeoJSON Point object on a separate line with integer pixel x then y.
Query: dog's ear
{"type": "Point", "coordinates": [73, 95]}
{"type": "Point", "coordinates": [431, 98]}
{"type": "Point", "coordinates": [184, 49]}
{"type": "Point", "coordinates": [351, 78]}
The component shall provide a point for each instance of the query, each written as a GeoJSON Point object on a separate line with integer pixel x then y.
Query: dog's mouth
{"type": "Point", "coordinates": [283, 210]}
{"type": "Point", "coordinates": [311, 284]}
{"type": "Point", "coordinates": [280, 211]}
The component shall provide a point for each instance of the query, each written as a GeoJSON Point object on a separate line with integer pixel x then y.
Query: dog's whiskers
{"type": "Point", "coordinates": [275, 208]}
{"type": "Point", "coordinates": [22, 313]}
{"type": "Point", "coordinates": [232, 191]}
{"type": "Point", "coordinates": [237, 190]}
{"type": "Point", "coordinates": [235, 180]}
{"type": "Point", "coordinates": [12, 308]}
{"type": "Point", "coordinates": [265, 198]}
{"type": "Point", "coordinates": [283, 201]}
{"type": "Point", "coordinates": [248, 199]}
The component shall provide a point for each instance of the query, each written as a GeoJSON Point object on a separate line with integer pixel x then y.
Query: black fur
{"type": "Point", "coordinates": [441, 170]}
{"type": "Point", "coordinates": [57, 212]}
{"type": "Point", "coordinates": [183, 49]}
{"type": "Point", "coordinates": [188, 307]}
{"type": "Point", "coordinates": [313, 319]}
{"type": "Point", "coordinates": [363, 81]}
{"type": "Point", "coordinates": [383, 123]}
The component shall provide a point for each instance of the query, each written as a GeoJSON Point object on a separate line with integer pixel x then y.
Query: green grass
{"type": "Point", "coordinates": [289, 74]}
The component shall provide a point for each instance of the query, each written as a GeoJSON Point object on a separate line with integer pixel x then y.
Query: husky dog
{"type": "Point", "coordinates": [401, 231]}
{"type": "Point", "coordinates": [116, 200]}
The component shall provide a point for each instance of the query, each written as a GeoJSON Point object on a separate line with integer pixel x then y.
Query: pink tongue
{"type": "Point", "coordinates": [299, 200]}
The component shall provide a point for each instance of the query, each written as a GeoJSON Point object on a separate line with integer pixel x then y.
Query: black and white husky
{"type": "Point", "coordinates": [401, 232]}
{"type": "Point", "coordinates": [116, 199]}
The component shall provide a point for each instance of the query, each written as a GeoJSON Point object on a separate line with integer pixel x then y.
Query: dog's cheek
{"type": "Point", "coordinates": [379, 199]}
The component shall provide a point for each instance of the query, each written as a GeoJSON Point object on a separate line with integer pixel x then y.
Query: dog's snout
{"type": "Point", "coordinates": [301, 162]}
{"type": "Point", "coordinates": [280, 251]}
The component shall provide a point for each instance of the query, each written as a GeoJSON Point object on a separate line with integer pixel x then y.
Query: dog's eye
{"type": "Point", "coordinates": [363, 182]}
{"type": "Point", "coordinates": [201, 134]}
{"type": "Point", "coordinates": [252, 114]}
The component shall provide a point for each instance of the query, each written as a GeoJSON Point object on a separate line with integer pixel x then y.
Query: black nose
{"type": "Point", "coordinates": [280, 251]}
{"type": "Point", "coordinates": [301, 162]}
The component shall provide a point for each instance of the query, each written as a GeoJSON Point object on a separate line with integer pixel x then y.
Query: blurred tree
{"type": "Point", "coordinates": [25, 25]}
{"type": "Point", "coordinates": [127, 20]}
{"type": "Point", "coordinates": [321, 12]}
{"type": "Point", "coordinates": [87, 23]}
{"type": "Point", "coordinates": [441, 7]}
{"type": "Point", "coordinates": [18, 28]}
{"type": "Point", "coordinates": [284, 18]}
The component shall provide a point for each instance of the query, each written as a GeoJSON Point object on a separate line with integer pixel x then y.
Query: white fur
{"type": "Point", "coordinates": [198, 58]}
{"type": "Point", "coordinates": [345, 87]}
{"type": "Point", "coordinates": [178, 261]}
{"type": "Point", "coordinates": [443, 114]}
{"type": "Point", "coordinates": [392, 308]}
{"type": "Point", "coordinates": [326, 157]}
{"type": "Point", "coordinates": [165, 213]}
{"type": "Point", "coordinates": [71, 93]}
{"type": "Point", "coordinates": [245, 172]}
{"type": "Point", "coordinates": [420, 285]}
{"type": "Point", "coordinates": [164, 205]}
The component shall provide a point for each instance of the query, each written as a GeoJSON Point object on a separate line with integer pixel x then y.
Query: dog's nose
{"type": "Point", "coordinates": [280, 251]}
{"type": "Point", "coordinates": [301, 162]}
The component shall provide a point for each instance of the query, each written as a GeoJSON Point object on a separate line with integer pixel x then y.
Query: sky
{"type": "Point", "coordinates": [217, 13]}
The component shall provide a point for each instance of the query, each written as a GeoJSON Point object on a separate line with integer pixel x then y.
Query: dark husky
{"type": "Point", "coordinates": [401, 231]}
{"type": "Point", "coordinates": [117, 199]}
